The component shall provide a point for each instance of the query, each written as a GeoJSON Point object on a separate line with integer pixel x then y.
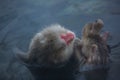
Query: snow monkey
{"type": "Point", "coordinates": [55, 52]}
{"type": "Point", "coordinates": [95, 50]}
{"type": "Point", "coordinates": [95, 46]}
{"type": "Point", "coordinates": [51, 54]}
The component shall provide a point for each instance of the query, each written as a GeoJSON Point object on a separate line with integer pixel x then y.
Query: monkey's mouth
{"type": "Point", "coordinates": [68, 37]}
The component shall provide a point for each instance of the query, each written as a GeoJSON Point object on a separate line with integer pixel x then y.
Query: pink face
{"type": "Point", "coordinates": [68, 37]}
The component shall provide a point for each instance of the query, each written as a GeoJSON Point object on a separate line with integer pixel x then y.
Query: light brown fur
{"type": "Point", "coordinates": [47, 49]}
{"type": "Point", "coordinates": [94, 47]}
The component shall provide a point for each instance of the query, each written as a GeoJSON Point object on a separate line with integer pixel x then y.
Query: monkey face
{"type": "Point", "coordinates": [93, 28]}
{"type": "Point", "coordinates": [52, 46]}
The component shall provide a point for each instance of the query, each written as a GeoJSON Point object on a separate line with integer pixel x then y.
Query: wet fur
{"type": "Point", "coordinates": [94, 47]}
{"type": "Point", "coordinates": [48, 50]}
{"type": "Point", "coordinates": [48, 56]}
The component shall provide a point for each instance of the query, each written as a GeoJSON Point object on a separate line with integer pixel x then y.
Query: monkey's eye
{"type": "Point", "coordinates": [51, 41]}
{"type": "Point", "coordinates": [62, 47]}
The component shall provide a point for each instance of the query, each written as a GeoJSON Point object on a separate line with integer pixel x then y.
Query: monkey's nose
{"type": "Point", "coordinates": [68, 37]}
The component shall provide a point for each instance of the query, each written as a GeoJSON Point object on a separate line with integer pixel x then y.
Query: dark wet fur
{"type": "Point", "coordinates": [91, 36]}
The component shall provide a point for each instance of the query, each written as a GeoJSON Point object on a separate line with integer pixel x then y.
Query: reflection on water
{"type": "Point", "coordinates": [21, 19]}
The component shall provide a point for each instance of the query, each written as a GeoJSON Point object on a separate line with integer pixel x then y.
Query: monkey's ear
{"type": "Point", "coordinates": [94, 48]}
{"type": "Point", "coordinates": [23, 57]}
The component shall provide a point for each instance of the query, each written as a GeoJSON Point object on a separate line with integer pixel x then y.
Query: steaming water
{"type": "Point", "coordinates": [21, 19]}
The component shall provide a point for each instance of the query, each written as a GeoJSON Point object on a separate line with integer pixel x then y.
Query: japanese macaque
{"type": "Point", "coordinates": [95, 46]}
{"type": "Point", "coordinates": [51, 47]}
{"type": "Point", "coordinates": [95, 51]}
{"type": "Point", "coordinates": [51, 52]}
{"type": "Point", "coordinates": [55, 52]}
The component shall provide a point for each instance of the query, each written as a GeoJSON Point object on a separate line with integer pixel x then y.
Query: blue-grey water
{"type": "Point", "coordinates": [21, 19]}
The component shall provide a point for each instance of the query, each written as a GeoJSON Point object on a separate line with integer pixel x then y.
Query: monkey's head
{"type": "Point", "coordinates": [93, 28]}
{"type": "Point", "coordinates": [53, 46]}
